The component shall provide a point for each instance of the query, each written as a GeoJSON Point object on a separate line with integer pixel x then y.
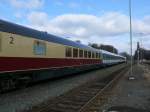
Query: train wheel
{"type": "Point", "coordinates": [6, 85]}
{"type": "Point", "coordinates": [23, 82]}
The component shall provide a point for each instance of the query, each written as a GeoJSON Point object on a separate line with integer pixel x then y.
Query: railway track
{"type": "Point", "coordinates": [86, 98]}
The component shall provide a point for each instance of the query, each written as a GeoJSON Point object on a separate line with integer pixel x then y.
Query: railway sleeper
{"type": "Point", "coordinates": [74, 102]}
{"type": "Point", "coordinates": [93, 89]}
{"type": "Point", "coordinates": [80, 97]}
{"type": "Point", "coordinates": [97, 85]}
{"type": "Point", "coordinates": [89, 92]}
{"type": "Point", "coordinates": [52, 110]}
{"type": "Point", "coordinates": [58, 109]}
{"type": "Point", "coordinates": [86, 95]}
{"type": "Point", "coordinates": [68, 106]}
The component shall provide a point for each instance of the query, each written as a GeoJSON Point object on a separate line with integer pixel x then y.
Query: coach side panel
{"type": "Point", "coordinates": [12, 45]}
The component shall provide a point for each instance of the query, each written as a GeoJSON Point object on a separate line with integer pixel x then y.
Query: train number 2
{"type": "Point", "coordinates": [11, 40]}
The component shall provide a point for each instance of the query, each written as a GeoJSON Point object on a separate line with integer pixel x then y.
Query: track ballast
{"type": "Point", "coordinates": [85, 98]}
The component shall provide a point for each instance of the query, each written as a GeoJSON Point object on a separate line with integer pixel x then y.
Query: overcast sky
{"type": "Point", "coordinates": [97, 21]}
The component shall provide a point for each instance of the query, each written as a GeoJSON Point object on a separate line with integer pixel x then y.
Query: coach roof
{"type": "Point", "coordinates": [109, 53]}
{"type": "Point", "coordinates": [29, 32]}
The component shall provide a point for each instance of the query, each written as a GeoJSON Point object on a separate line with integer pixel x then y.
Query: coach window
{"type": "Point", "coordinates": [75, 52]}
{"type": "Point", "coordinates": [0, 44]}
{"type": "Point", "coordinates": [93, 55]}
{"type": "Point", "coordinates": [85, 54]}
{"type": "Point", "coordinates": [100, 55]}
{"type": "Point", "coordinates": [68, 52]}
{"type": "Point", "coordinates": [89, 54]}
{"type": "Point", "coordinates": [96, 55]}
{"type": "Point", "coordinates": [39, 48]}
{"type": "Point", "coordinates": [104, 56]}
{"type": "Point", "coordinates": [80, 53]}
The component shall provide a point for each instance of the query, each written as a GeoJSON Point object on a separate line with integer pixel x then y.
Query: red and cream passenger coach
{"type": "Point", "coordinates": [26, 53]}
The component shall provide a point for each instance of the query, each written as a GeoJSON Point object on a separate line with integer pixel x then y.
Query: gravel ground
{"type": "Point", "coordinates": [131, 95]}
{"type": "Point", "coordinates": [26, 98]}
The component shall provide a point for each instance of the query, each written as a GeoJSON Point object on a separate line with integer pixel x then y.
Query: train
{"type": "Point", "coordinates": [28, 55]}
